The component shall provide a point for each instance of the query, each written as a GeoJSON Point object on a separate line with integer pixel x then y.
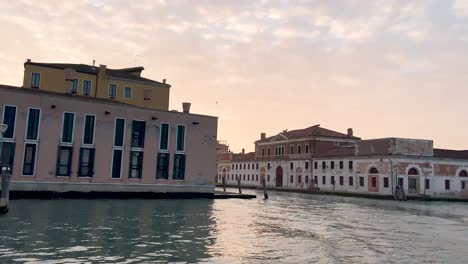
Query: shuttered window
{"type": "Point", "coordinates": [136, 164]}
{"type": "Point", "coordinates": [162, 166]}
{"type": "Point", "coordinates": [86, 162]}
{"type": "Point", "coordinates": [64, 160]}
{"type": "Point", "coordinates": [138, 134]}
{"type": "Point", "coordinates": [179, 167]}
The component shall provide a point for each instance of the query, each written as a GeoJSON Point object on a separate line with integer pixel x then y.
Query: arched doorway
{"type": "Point", "coordinates": [262, 175]}
{"type": "Point", "coordinates": [413, 180]}
{"type": "Point", "coordinates": [279, 176]}
{"type": "Point", "coordinates": [223, 178]}
{"type": "Point", "coordinates": [299, 177]}
{"type": "Point", "coordinates": [373, 180]}
{"type": "Point", "coordinates": [463, 182]}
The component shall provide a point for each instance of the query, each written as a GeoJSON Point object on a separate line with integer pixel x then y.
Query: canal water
{"type": "Point", "coordinates": [287, 228]}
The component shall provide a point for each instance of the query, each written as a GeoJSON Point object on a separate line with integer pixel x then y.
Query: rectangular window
{"type": "Point", "coordinates": [67, 127]}
{"type": "Point", "coordinates": [32, 127]}
{"type": "Point", "coordinates": [463, 185]}
{"type": "Point", "coordinates": [162, 170]}
{"type": "Point", "coordinates": [447, 184]}
{"type": "Point", "coordinates": [361, 181]}
{"type": "Point", "coordinates": [136, 164]}
{"type": "Point", "coordinates": [350, 165]}
{"type": "Point", "coordinates": [112, 90]}
{"type": "Point", "coordinates": [164, 138]}
{"type": "Point", "coordinates": [324, 165]}
{"type": "Point", "coordinates": [306, 179]}
{"type": "Point", "coordinates": [7, 154]}
{"type": "Point", "coordinates": [333, 180]}
{"type": "Point", "coordinates": [332, 165]}
{"type": "Point", "coordinates": [128, 92]}
{"type": "Point", "coordinates": [324, 180]}
{"type": "Point", "coordinates": [268, 165]}
{"type": "Point", "coordinates": [146, 94]}
{"type": "Point", "coordinates": [74, 86]}
{"type": "Point", "coordinates": [119, 132]}
{"type": "Point", "coordinates": [64, 161]}
{"type": "Point", "coordinates": [351, 181]}
{"type": "Point", "coordinates": [86, 162]}
{"type": "Point", "coordinates": [269, 152]}
{"type": "Point", "coordinates": [88, 133]}
{"type": "Point", "coordinates": [138, 134]}
{"type": "Point", "coordinates": [427, 184]}
{"type": "Point", "coordinates": [307, 148]}
{"type": "Point", "coordinates": [291, 150]}
{"type": "Point", "coordinates": [117, 163]}
{"type": "Point", "coordinates": [256, 166]}
{"type": "Point", "coordinates": [306, 165]}
{"type": "Point", "coordinates": [341, 180]}
{"type": "Point", "coordinates": [179, 167]}
{"type": "Point", "coordinates": [29, 160]}
{"type": "Point", "coordinates": [86, 87]}
{"type": "Point", "coordinates": [180, 138]}
{"type": "Point", "coordinates": [248, 166]}
{"type": "Point", "coordinates": [385, 182]}
{"type": "Point", "coordinates": [315, 165]}
{"type": "Point", "coordinates": [299, 149]}
{"type": "Point", "coordinates": [9, 118]}
{"type": "Point", "coordinates": [263, 152]}
{"type": "Point", "coordinates": [35, 80]}
{"type": "Point", "coordinates": [341, 165]}
{"type": "Point", "coordinates": [291, 165]}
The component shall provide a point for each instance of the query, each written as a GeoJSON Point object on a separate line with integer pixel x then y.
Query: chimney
{"type": "Point", "coordinates": [102, 69]}
{"type": "Point", "coordinates": [164, 80]}
{"type": "Point", "coordinates": [350, 132]}
{"type": "Point", "coordinates": [243, 151]}
{"type": "Point", "coordinates": [186, 107]}
{"type": "Point", "coordinates": [262, 136]}
{"type": "Point", "coordinates": [28, 60]}
{"type": "Point", "coordinates": [94, 63]}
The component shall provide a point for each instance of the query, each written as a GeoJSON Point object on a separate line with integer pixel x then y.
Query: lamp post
{"type": "Point", "coordinates": [5, 188]}
{"type": "Point", "coordinates": [3, 129]}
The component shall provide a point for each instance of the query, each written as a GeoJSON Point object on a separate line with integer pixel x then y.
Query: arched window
{"type": "Point", "coordinates": [373, 171]}
{"type": "Point", "coordinates": [413, 171]}
{"type": "Point", "coordinates": [463, 173]}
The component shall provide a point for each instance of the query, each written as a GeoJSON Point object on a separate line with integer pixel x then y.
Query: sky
{"type": "Point", "coordinates": [384, 68]}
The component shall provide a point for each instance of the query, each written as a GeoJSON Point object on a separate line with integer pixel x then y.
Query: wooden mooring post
{"type": "Point", "coordinates": [224, 183]}
{"type": "Point", "coordinates": [265, 194]}
{"type": "Point", "coordinates": [5, 196]}
{"type": "Point", "coordinates": [239, 185]}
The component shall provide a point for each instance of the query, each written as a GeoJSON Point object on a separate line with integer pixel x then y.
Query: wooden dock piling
{"type": "Point", "coordinates": [5, 196]}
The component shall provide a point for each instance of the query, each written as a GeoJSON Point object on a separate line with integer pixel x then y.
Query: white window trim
{"type": "Point", "coordinates": [90, 87]}
{"type": "Point", "coordinates": [73, 131]}
{"type": "Point", "coordinates": [115, 126]}
{"type": "Point", "coordinates": [131, 137]}
{"type": "Point", "coordinates": [109, 89]}
{"type": "Point", "coordinates": [168, 137]}
{"type": "Point", "coordinates": [131, 92]}
{"type": "Point", "coordinates": [77, 85]}
{"type": "Point", "coordinates": [38, 126]}
{"type": "Point", "coordinates": [177, 137]}
{"type": "Point", "coordinates": [121, 163]}
{"type": "Point", "coordinates": [94, 131]}
{"type": "Point", "coordinates": [39, 86]}
{"type": "Point", "coordinates": [35, 158]}
{"type": "Point", "coordinates": [5, 139]}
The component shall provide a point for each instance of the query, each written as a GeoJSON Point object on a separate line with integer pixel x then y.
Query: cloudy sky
{"type": "Point", "coordinates": [385, 68]}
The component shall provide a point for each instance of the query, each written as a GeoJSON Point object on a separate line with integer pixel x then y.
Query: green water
{"type": "Point", "coordinates": [287, 228]}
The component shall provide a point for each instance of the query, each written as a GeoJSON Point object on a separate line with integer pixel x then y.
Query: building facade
{"type": "Point", "coordinates": [342, 163]}
{"type": "Point", "coordinates": [65, 142]}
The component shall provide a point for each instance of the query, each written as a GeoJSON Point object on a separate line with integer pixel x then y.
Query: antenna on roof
{"type": "Point", "coordinates": [94, 62]}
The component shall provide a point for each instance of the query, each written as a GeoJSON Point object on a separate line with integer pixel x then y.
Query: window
{"type": "Point", "coordinates": [32, 127]}
{"type": "Point", "coordinates": [128, 92]}
{"type": "Point", "coordinates": [291, 151]}
{"type": "Point", "coordinates": [324, 165]}
{"type": "Point", "coordinates": [332, 165]}
{"type": "Point", "coordinates": [86, 162]}
{"type": "Point", "coordinates": [67, 127]}
{"type": "Point", "coordinates": [86, 87]}
{"type": "Point", "coordinates": [333, 180]}
{"type": "Point", "coordinates": [179, 167]}
{"type": "Point", "coordinates": [350, 165]}
{"type": "Point", "coordinates": [7, 154]}
{"type": "Point", "coordinates": [119, 132]}
{"type": "Point", "coordinates": [9, 118]}
{"type": "Point", "coordinates": [299, 149]}
{"type": "Point", "coordinates": [373, 171]}
{"type": "Point", "coordinates": [112, 90]}
{"type": "Point", "coordinates": [361, 181]}
{"type": "Point", "coordinates": [248, 166]}
{"type": "Point", "coordinates": [29, 160]}
{"type": "Point", "coordinates": [35, 80]}
{"type": "Point", "coordinates": [351, 181]}
{"type": "Point", "coordinates": [299, 179]}
{"type": "Point", "coordinates": [385, 182]}
{"type": "Point", "coordinates": [306, 165]}
{"type": "Point", "coordinates": [291, 179]}
{"type": "Point", "coordinates": [269, 152]}
{"type": "Point", "coordinates": [64, 161]}
{"type": "Point", "coordinates": [256, 167]}
{"type": "Point", "coordinates": [315, 165]}
{"type": "Point", "coordinates": [341, 180]}
{"type": "Point", "coordinates": [268, 165]}
{"type": "Point", "coordinates": [74, 86]}
{"type": "Point", "coordinates": [244, 166]}
{"type": "Point", "coordinates": [162, 170]}
{"type": "Point", "coordinates": [243, 177]}
{"type": "Point", "coordinates": [447, 184]}
{"type": "Point", "coordinates": [136, 164]}
{"type": "Point", "coordinates": [291, 165]}
{"type": "Point", "coordinates": [324, 180]}
{"type": "Point", "coordinates": [463, 185]}
{"type": "Point", "coordinates": [427, 184]}
{"type": "Point", "coordinates": [307, 148]}
{"type": "Point", "coordinates": [268, 178]}
{"type": "Point", "coordinates": [164, 138]}
{"type": "Point", "coordinates": [306, 179]}
{"type": "Point", "coordinates": [263, 152]}
{"type": "Point", "coordinates": [88, 133]}
{"type": "Point", "coordinates": [248, 177]}
{"type": "Point", "coordinates": [256, 177]}
{"type": "Point", "coordinates": [117, 157]}
{"type": "Point", "coordinates": [180, 138]}
{"type": "Point", "coordinates": [138, 134]}
{"type": "Point", "coordinates": [232, 167]}
{"type": "Point", "coordinates": [341, 165]}
{"type": "Point", "coordinates": [146, 94]}
{"type": "Point", "coordinates": [463, 173]}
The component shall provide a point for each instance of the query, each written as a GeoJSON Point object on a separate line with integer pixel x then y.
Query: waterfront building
{"type": "Point", "coordinates": [341, 163]}
{"type": "Point", "coordinates": [63, 142]}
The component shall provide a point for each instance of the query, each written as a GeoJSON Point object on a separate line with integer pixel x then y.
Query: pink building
{"type": "Point", "coordinates": [61, 144]}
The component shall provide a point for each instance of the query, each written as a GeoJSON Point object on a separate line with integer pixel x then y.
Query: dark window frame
{"type": "Point", "coordinates": [137, 167]}
{"type": "Point", "coordinates": [180, 162]}
{"type": "Point", "coordinates": [88, 164]}
{"type": "Point", "coordinates": [67, 164]}
{"type": "Point", "coordinates": [162, 166]}
{"type": "Point", "coordinates": [30, 163]}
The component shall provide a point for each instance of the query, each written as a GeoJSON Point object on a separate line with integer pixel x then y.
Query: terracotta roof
{"type": "Point", "coordinates": [313, 131]}
{"type": "Point", "coordinates": [124, 73]}
{"type": "Point", "coordinates": [337, 152]}
{"type": "Point", "coordinates": [453, 154]}
{"type": "Point", "coordinates": [243, 157]}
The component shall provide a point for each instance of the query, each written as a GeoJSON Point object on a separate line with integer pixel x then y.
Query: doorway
{"type": "Point", "coordinates": [279, 176]}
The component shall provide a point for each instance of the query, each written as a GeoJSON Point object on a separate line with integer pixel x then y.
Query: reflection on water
{"type": "Point", "coordinates": [288, 228]}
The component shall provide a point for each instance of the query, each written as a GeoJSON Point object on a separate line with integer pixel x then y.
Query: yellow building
{"type": "Point", "coordinates": [122, 85]}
